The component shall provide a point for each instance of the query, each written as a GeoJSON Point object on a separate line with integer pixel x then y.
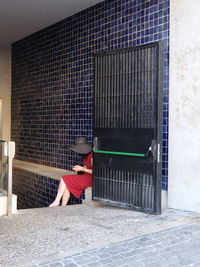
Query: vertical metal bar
{"type": "Point", "coordinates": [133, 115]}
{"type": "Point", "coordinates": [142, 89]}
{"type": "Point", "coordinates": [97, 182]}
{"type": "Point", "coordinates": [124, 182]}
{"type": "Point", "coordinates": [95, 92]}
{"type": "Point", "coordinates": [139, 87]}
{"type": "Point", "coordinates": [152, 87]}
{"type": "Point", "coordinates": [145, 88]}
{"type": "Point", "coordinates": [105, 183]}
{"type": "Point", "coordinates": [114, 88]}
{"type": "Point", "coordinates": [9, 186]}
{"type": "Point", "coordinates": [136, 190]}
{"type": "Point", "coordinates": [117, 89]}
{"type": "Point", "coordinates": [11, 152]}
{"type": "Point", "coordinates": [139, 187]}
{"type": "Point", "coordinates": [121, 91]}
{"type": "Point", "coordinates": [108, 191]}
{"type": "Point", "coordinates": [104, 89]}
{"type": "Point", "coordinates": [123, 185]}
{"type": "Point", "coordinates": [130, 188]}
{"type": "Point", "coordinates": [99, 95]}
{"type": "Point", "coordinates": [109, 88]}
{"type": "Point", "coordinates": [120, 188]}
{"type": "Point", "coordinates": [120, 86]}
{"type": "Point", "coordinates": [145, 191]}
{"type": "Point", "coordinates": [96, 119]}
{"type": "Point", "coordinates": [101, 177]}
{"type": "Point", "coordinates": [159, 125]}
{"type": "Point", "coordinates": [110, 177]}
{"type": "Point", "coordinates": [136, 90]}
{"type": "Point", "coordinates": [114, 189]}
{"type": "Point", "coordinates": [130, 92]}
{"type": "Point", "coordinates": [114, 85]}
{"type": "Point", "coordinates": [134, 118]}
{"type": "Point", "coordinates": [126, 89]}
{"type": "Point", "coordinates": [150, 90]}
{"type": "Point", "coordinates": [97, 70]}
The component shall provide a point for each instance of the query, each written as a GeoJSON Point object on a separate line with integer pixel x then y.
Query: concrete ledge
{"type": "Point", "coordinates": [3, 204]}
{"type": "Point", "coordinates": [88, 196]}
{"type": "Point", "coordinates": [164, 200]}
{"type": "Point", "coordinates": [51, 172]}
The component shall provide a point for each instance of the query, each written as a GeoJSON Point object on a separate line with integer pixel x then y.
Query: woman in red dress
{"type": "Point", "coordinates": [75, 184]}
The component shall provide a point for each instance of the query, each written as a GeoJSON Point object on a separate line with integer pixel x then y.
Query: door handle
{"type": "Point", "coordinates": [152, 148]}
{"type": "Point", "coordinates": [155, 150]}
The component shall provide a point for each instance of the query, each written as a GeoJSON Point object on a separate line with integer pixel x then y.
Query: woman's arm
{"type": "Point", "coordinates": [85, 169]}
{"type": "Point", "coordinates": [79, 168]}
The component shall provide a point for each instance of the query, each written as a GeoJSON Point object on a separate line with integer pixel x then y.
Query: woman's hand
{"type": "Point", "coordinates": [78, 168]}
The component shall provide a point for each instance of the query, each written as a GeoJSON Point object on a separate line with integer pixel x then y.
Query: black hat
{"type": "Point", "coordinates": [81, 146]}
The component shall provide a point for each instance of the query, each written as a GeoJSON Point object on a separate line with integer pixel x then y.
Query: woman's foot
{"type": "Point", "coordinates": [54, 204]}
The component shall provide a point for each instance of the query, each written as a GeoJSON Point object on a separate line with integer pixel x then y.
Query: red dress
{"type": "Point", "coordinates": [77, 183]}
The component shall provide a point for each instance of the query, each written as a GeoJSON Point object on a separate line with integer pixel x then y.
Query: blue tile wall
{"type": "Point", "coordinates": [35, 191]}
{"type": "Point", "coordinates": [53, 75]}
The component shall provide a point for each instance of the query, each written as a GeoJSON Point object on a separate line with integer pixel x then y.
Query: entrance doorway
{"type": "Point", "coordinates": [128, 128]}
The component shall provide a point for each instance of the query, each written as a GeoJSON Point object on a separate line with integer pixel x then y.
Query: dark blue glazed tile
{"type": "Point", "coordinates": [52, 81]}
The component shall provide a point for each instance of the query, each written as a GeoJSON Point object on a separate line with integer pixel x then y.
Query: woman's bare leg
{"type": "Point", "coordinates": [65, 197]}
{"type": "Point", "coordinates": [61, 190]}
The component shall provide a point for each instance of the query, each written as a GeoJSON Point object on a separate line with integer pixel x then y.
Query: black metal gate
{"type": "Point", "coordinates": [128, 128]}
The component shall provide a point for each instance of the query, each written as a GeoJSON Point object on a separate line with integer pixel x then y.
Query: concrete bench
{"type": "Point", "coordinates": [51, 172]}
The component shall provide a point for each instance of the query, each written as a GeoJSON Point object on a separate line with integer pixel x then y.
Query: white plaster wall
{"type": "Point", "coordinates": [184, 106]}
{"type": "Point", "coordinates": [5, 89]}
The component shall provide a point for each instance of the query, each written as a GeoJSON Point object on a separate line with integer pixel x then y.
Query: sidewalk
{"type": "Point", "coordinates": [176, 247]}
{"type": "Point", "coordinates": [98, 235]}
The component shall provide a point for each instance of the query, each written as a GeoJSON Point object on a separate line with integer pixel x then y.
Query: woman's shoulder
{"type": "Point", "coordinates": [89, 156]}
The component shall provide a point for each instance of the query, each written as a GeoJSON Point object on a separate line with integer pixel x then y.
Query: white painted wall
{"type": "Point", "coordinates": [5, 89]}
{"type": "Point", "coordinates": [184, 106]}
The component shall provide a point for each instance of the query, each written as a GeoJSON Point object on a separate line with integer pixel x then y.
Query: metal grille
{"type": "Point", "coordinates": [127, 128]}
{"type": "Point", "coordinates": [125, 91]}
{"type": "Point", "coordinates": [129, 188]}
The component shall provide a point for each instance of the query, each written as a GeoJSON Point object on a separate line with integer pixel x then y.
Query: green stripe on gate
{"type": "Point", "coordinates": [119, 153]}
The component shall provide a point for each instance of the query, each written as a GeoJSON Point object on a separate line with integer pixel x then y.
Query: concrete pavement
{"type": "Point", "coordinates": [99, 235]}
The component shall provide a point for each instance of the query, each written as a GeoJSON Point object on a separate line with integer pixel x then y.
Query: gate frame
{"type": "Point", "coordinates": [159, 132]}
